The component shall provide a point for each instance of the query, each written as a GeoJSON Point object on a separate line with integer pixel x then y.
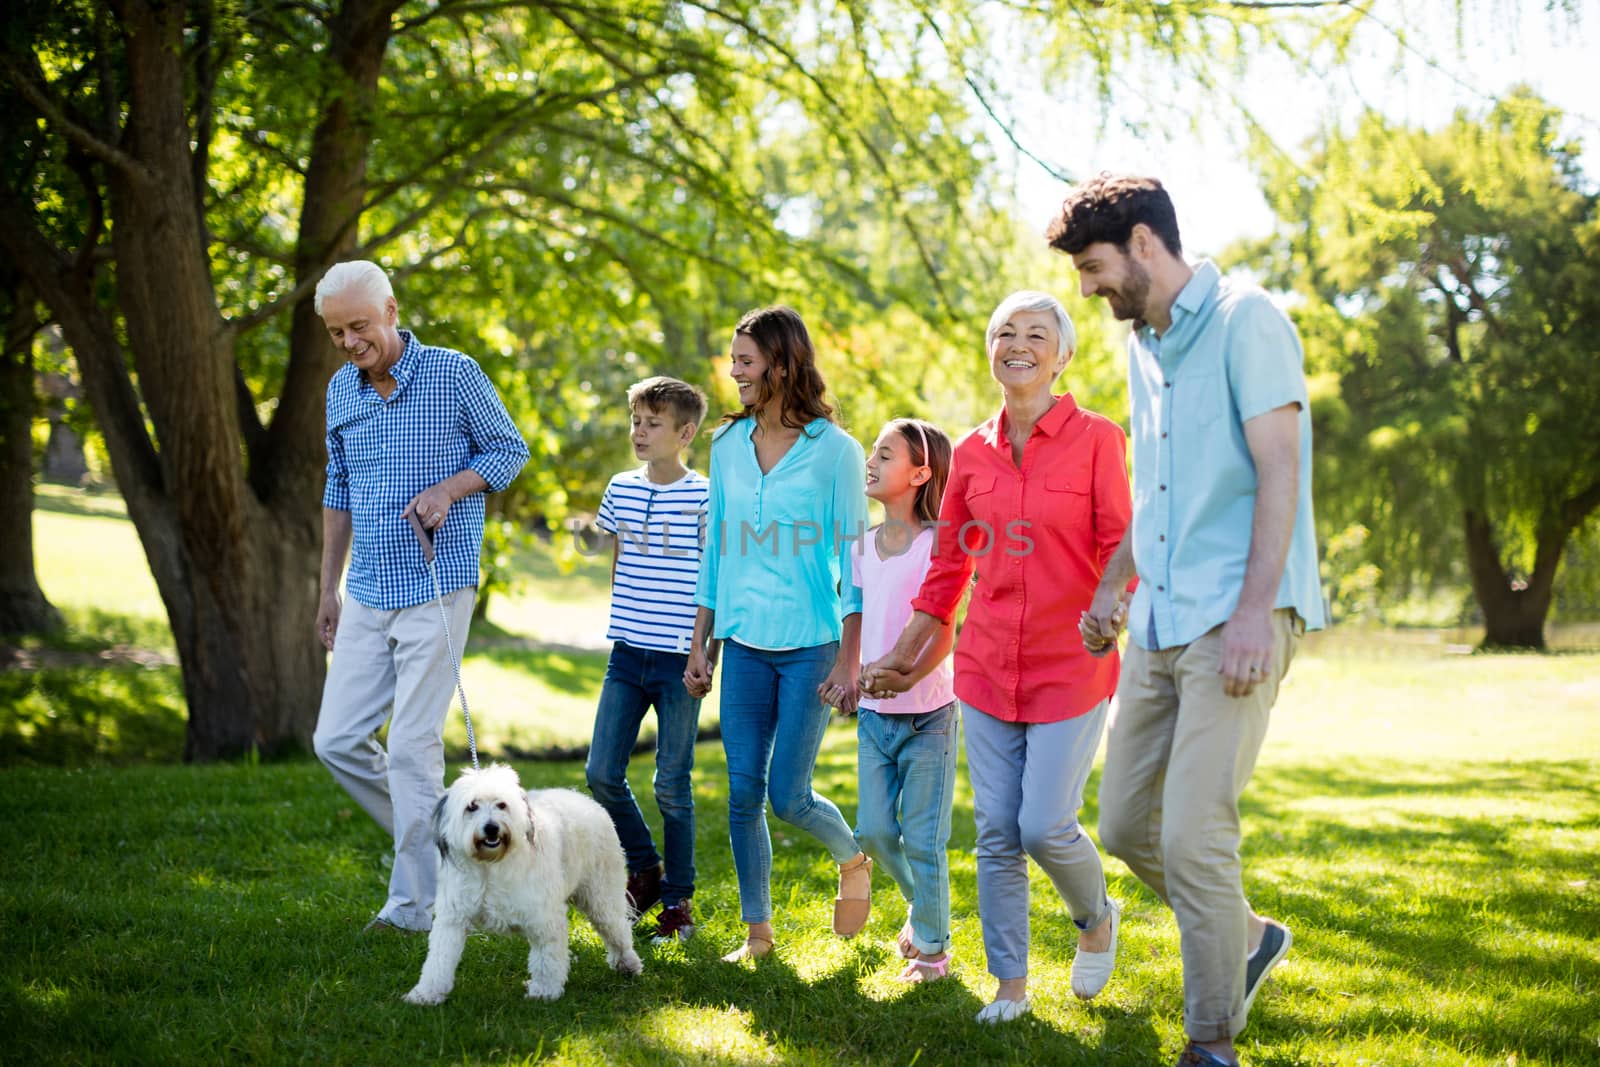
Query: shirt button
{"type": "Point", "coordinates": [1161, 589]}
{"type": "Point", "coordinates": [1163, 435]}
{"type": "Point", "coordinates": [1163, 537]}
{"type": "Point", "coordinates": [1166, 385]}
{"type": "Point", "coordinates": [1163, 489]}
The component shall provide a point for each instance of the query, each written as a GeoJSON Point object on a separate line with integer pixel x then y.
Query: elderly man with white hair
{"type": "Point", "coordinates": [411, 428]}
{"type": "Point", "coordinates": [1036, 503]}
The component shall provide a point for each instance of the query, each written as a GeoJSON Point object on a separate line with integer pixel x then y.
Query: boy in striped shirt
{"type": "Point", "coordinates": [654, 515]}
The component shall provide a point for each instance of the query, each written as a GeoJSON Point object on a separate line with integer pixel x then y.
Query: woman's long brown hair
{"type": "Point", "coordinates": [781, 335]}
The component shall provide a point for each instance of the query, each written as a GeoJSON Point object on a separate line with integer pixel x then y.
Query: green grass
{"type": "Point", "coordinates": [1427, 823]}
{"type": "Point", "coordinates": [1444, 910]}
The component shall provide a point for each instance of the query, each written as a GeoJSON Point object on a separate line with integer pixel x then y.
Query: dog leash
{"type": "Point", "coordinates": [425, 539]}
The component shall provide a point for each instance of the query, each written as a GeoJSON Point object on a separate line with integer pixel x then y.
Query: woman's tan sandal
{"type": "Point", "coordinates": [850, 913]}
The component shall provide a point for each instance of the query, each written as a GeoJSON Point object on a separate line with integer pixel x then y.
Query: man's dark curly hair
{"type": "Point", "coordinates": [1107, 208]}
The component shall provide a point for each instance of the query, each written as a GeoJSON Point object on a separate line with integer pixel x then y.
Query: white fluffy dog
{"type": "Point", "coordinates": [509, 861]}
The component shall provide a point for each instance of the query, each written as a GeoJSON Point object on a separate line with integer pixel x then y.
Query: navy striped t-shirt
{"type": "Point", "coordinates": [659, 530]}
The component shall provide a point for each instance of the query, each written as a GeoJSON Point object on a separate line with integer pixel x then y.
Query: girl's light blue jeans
{"type": "Point", "coordinates": [772, 727]}
{"type": "Point", "coordinates": [907, 777]}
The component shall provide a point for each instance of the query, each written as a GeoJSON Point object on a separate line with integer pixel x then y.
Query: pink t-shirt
{"type": "Point", "coordinates": [887, 588]}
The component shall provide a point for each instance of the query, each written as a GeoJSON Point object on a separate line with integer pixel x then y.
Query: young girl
{"type": "Point", "coordinates": [785, 501]}
{"type": "Point", "coordinates": [909, 723]}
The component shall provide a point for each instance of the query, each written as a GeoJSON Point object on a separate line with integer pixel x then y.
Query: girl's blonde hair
{"type": "Point", "coordinates": [929, 447]}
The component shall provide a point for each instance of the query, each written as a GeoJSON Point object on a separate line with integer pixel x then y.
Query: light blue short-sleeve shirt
{"type": "Point", "coordinates": [1229, 356]}
{"type": "Point", "coordinates": [776, 566]}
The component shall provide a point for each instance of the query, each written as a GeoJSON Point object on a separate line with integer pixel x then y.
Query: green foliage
{"type": "Point", "coordinates": [1449, 283]}
{"type": "Point", "coordinates": [583, 196]}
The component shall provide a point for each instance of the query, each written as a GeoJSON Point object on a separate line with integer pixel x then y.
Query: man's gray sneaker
{"type": "Point", "coordinates": [1275, 942]}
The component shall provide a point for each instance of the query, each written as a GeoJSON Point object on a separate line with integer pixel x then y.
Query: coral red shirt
{"type": "Point", "coordinates": [1039, 537]}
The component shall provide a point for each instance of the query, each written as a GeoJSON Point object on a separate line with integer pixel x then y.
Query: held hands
{"type": "Point", "coordinates": [883, 678]}
{"type": "Point", "coordinates": [697, 677]}
{"type": "Point", "coordinates": [1104, 621]}
{"type": "Point", "coordinates": [839, 689]}
{"type": "Point", "coordinates": [885, 683]}
{"type": "Point", "coordinates": [1247, 656]}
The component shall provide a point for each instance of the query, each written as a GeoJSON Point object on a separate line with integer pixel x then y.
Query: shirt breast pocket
{"type": "Point", "coordinates": [977, 535]}
{"type": "Point", "coordinates": [1068, 498]}
{"type": "Point", "coordinates": [979, 493]}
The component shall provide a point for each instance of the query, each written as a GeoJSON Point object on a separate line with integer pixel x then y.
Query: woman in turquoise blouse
{"type": "Point", "coordinates": [787, 496]}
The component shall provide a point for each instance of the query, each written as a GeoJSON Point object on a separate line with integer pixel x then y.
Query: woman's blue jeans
{"type": "Point", "coordinates": [772, 726]}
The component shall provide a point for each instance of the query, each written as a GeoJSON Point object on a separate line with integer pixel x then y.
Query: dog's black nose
{"type": "Point", "coordinates": [491, 831]}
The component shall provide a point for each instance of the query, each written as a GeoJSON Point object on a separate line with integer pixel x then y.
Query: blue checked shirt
{"type": "Point", "coordinates": [442, 418]}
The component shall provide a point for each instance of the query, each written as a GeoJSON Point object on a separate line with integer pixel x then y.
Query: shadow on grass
{"type": "Point", "coordinates": [1468, 884]}
{"type": "Point", "coordinates": [80, 716]}
{"type": "Point", "coordinates": [91, 631]}
{"type": "Point", "coordinates": [212, 915]}
{"type": "Point", "coordinates": [65, 501]}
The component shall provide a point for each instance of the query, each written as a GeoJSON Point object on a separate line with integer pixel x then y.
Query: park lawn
{"type": "Point", "coordinates": [1427, 827]}
{"type": "Point", "coordinates": [1426, 822]}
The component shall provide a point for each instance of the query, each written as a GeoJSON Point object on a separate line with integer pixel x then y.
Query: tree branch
{"type": "Point", "coordinates": [69, 127]}
{"type": "Point", "coordinates": [80, 165]}
{"type": "Point", "coordinates": [983, 101]}
{"type": "Point", "coordinates": [249, 421]}
{"type": "Point", "coordinates": [245, 323]}
{"type": "Point", "coordinates": [842, 114]}
{"type": "Point", "coordinates": [90, 332]}
{"type": "Point", "coordinates": [450, 10]}
{"type": "Point", "coordinates": [1580, 506]}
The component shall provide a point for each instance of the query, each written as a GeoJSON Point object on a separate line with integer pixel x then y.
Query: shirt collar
{"type": "Point", "coordinates": [1194, 296]}
{"type": "Point", "coordinates": [812, 429]}
{"type": "Point", "coordinates": [405, 366]}
{"type": "Point", "coordinates": [1049, 425]}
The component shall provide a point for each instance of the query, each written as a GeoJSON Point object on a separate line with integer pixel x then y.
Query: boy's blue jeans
{"type": "Point", "coordinates": [772, 727]}
{"type": "Point", "coordinates": [907, 785]}
{"type": "Point", "coordinates": [636, 679]}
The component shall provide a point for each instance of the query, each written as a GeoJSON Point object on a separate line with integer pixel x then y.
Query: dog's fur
{"type": "Point", "coordinates": [509, 861]}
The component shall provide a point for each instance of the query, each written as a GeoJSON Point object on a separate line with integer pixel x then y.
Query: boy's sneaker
{"type": "Point", "coordinates": [1195, 1056]}
{"type": "Point", "coordinates": [1275, 942]}
{"type": "Point", "coordinates": [644, 890]}
{"type": "Point", "coordinates": [676, 922]}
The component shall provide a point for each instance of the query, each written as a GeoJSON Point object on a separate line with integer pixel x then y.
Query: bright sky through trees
{"type": "Point", "coordinates": [1417, 73]}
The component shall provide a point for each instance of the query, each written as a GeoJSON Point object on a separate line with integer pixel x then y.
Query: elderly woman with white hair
{"type": "Point", "coordinates": [1036, 503]}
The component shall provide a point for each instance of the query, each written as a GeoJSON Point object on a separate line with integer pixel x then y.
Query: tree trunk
{"type": "Point", "coordinates": [23, 607]}
{"type": "Point", "coordinates": [229, 513]}
{"type": "Point", "coordinates": [1513, 613]}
